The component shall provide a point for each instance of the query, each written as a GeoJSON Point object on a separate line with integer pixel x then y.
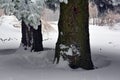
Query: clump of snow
{"type": "Point", "coordinates": [62, 46]}
{"type": "Point", "coordinates": [65, 1]}
{"type": "Point", "coordinates": [61, 33]}
{"type": "Point", "coordinates": [34, 21]}
{"type": "Point", "coordinates": [63, 64]}
{"type": "Point", "coordinates": [69, 50]}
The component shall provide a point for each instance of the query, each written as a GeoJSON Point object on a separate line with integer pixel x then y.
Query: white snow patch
{"type": "Point", "coordinates": [10, 36]}
{"type": "Point", "coordinates": [69, 52]}
{"type": "Point", "coordinates": [62, 46]}
{"type": "Point", "coordinates": [65, 1]}
{"type": "Point", "coordinates": [63, 64]}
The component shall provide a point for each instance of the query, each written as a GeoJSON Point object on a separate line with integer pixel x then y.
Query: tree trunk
{"type": "Point", "coordinates": [74, 33]}
{"type": "Point", "coordinates": [31, 38]}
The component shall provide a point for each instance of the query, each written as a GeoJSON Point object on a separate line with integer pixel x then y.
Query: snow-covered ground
{"type": "Point", "coordinates": [9, 35]}
{"type": "Point", "coordinates": [21, 65]}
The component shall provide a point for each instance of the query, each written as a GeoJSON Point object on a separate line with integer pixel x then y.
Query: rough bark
{"type": "Point", "coordinates": [31, 38]}
{"type": "Point", "coordinates": [74, 30]}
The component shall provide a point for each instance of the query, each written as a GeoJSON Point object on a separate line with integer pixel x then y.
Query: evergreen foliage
{"type": "Point", "coordinates": [27, 10]}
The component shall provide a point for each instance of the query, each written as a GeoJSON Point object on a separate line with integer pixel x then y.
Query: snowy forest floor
{"type": "Point", "coordinates": [17, 64]}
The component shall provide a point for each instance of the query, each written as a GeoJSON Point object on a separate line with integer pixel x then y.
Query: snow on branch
{"type": "Point", "coordinates": [28, 10]}
{"type": "Point", "coordinates": [65, 1]}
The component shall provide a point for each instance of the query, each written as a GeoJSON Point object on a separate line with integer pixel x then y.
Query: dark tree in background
{"type": "Point", "coordinates": [74, 33]}
{"type": "Point", "coordinates": [31, 38]}
{"type": "Point", "coordinates": [103, 6]}
{"type": "Point", "coordinates": [29, 12]}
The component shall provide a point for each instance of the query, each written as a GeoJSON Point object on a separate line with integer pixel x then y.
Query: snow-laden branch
{"type": "Point", "coordinates": [65, 1]}
{"type": "Point", "coordinates": [28, 10]}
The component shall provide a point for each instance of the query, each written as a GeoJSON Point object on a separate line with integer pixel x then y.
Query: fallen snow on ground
{"type": "Point", "coordinates": [10, 36]}
{"type": "Point", "coordinates": [24, 65]}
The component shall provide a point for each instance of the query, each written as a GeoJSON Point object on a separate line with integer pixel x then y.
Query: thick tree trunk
{"type": "Point", "coordinates": [31, 38]}
{"type": "Point", "coordinates": [74, 32]}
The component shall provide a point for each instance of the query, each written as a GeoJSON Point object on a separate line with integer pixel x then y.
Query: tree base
{"type": "Point", "coordinates": [82, 63]}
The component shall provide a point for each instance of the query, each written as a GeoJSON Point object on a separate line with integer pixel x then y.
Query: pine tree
{"type": "Point", "coordinates": [74, 35]}
{"type": "Point", "coordinates": [29, 12]}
